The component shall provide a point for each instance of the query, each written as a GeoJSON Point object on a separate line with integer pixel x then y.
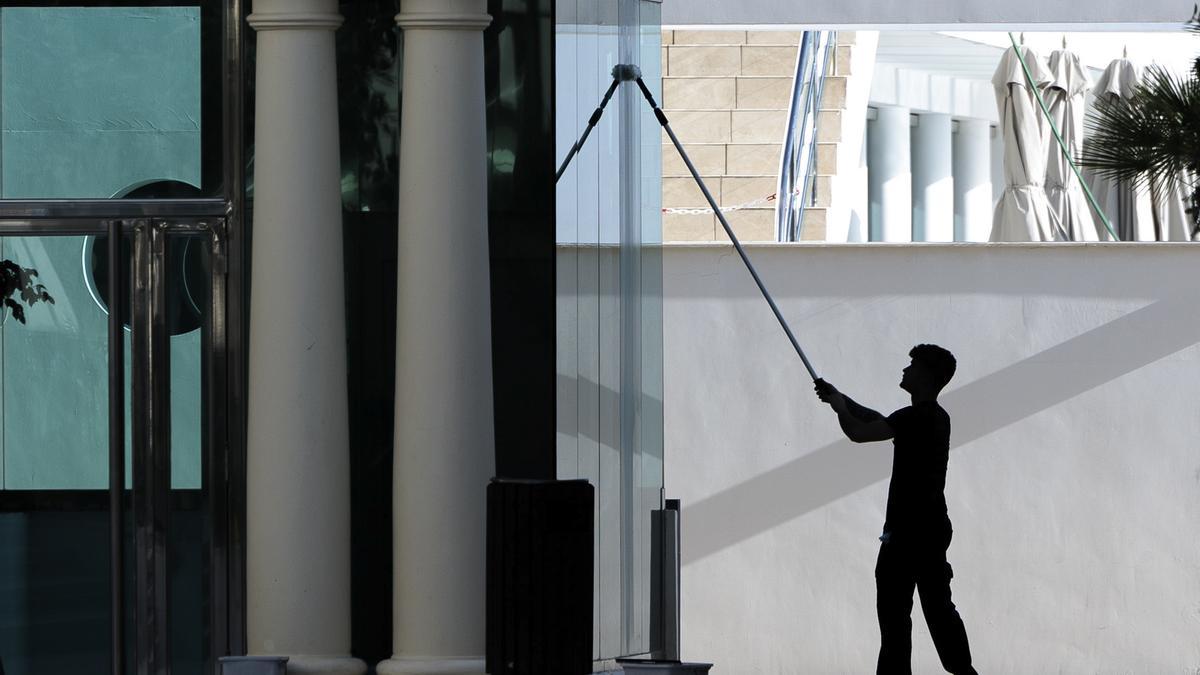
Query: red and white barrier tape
{"type": "Point", "coordinates": [727, 209]}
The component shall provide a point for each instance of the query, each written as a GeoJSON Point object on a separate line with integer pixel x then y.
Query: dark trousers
{"type": "Point", "coordinates": [903, 565]}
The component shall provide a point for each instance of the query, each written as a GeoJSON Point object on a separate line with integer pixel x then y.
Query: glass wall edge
{"type": "Point", "coordinates": [111, 208]}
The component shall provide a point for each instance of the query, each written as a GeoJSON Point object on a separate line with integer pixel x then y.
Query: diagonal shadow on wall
{"type": "Point", "coordinates": [979, 408]}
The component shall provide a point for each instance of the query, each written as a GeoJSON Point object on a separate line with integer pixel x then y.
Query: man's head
{"type": "Point", "coordinates": [930, 370]}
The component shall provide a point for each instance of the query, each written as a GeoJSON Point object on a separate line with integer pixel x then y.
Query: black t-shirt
{"type": "Point", "coordinates": [916, 505]}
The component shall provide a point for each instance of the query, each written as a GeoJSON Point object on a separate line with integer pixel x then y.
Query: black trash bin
{"type": "Point", "coordinates": [539, 577]}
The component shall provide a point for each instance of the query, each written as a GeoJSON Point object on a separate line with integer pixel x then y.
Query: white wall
{"type": "Point", "coordinates": [931, 12]}
{"type": "Point", "coordinates": [931, 92]}
{"type": "Point", "coordinates": [847, 218]}
{"type": "Point", "coordinates": [1074, 480]}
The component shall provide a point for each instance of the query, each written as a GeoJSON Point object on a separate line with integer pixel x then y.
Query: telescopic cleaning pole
{"type": "Point", "coordinates": [662, 119]}
{"type": "Point", "coordinates": [622, 73]}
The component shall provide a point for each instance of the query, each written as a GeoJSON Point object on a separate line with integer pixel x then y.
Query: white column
{"type": "Point", "coordinates": [973, 180]}
{"type": "Point", "coordinates": [996, 139]}
{"type": "Point", "coordinates": [889, 175]}
{"type": "Point", "coordinates": [860, 202]}
{"type": "Point", "coordinates": [444, 443]}
{"type": "Point", "coordinates": [932, 178]}
{"type": "Point", "coordinates": [298, 473]}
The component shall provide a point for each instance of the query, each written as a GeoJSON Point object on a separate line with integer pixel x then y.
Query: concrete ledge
{"type": "Point", "coordinates": [635, 667]}
{"type": "Point", "coordinates": [431, 666]}
{"type": "Point", "coordinates": [325, 665]}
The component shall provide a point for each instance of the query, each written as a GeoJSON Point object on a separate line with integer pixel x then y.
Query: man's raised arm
{"type": "Point", "coordinates": [860, 423]}
{"type": "Point", "coordinates": [862, 412]}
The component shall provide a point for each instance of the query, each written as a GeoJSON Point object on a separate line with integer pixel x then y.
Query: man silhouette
{"type": "Point", "coordinates": [916, 529]}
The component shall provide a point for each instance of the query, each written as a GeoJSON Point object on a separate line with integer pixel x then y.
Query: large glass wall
{"type": "Point", "coordinates": [609, 301]}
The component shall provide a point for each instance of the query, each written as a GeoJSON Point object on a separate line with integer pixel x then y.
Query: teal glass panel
{"type": "Point", "coordinates": [54, 402]}
{"type": "Point", "coordinates": [97, 101]}
{"type": "Point", "coordinates": [54, 560]}
{"type": "Point", "coordinates": [188, 301]}
{"type": "Point", "coordinates": [54, 412]}
{"type": "Point", "coordinates": [55, 376]}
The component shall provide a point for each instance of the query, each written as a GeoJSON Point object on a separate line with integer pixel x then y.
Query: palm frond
{"type": "Point", "coordinates": [1193, 26]}
{"type": "Point", "coordinates": [1150, 138]}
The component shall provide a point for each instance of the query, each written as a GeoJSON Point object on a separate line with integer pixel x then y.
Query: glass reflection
{"type": "Point", "coordinates": [98, 99]}
{"type": "Point", "coordinates": [54, 581]}
{"type": "Point", "coordinates": [54, 526]}
{"type": "Point", "coordinates": [609, 306]}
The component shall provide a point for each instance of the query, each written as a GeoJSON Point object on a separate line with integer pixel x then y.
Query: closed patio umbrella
{"type": "Point", "coordinates": [1023, 212]}
{"type": "Point", "coordinates": [1128, 209]}
{"type": "Point", "coordinates": [1066, 99]}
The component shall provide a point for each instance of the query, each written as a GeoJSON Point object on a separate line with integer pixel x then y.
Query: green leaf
{"type": "Point", "coordinates": [18, 311]}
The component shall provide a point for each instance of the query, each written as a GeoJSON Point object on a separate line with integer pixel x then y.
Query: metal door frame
{"type": "Point", "coordinates": [223, 340]}
{"type": "Point", "coordinates": [151, 426]}
{"type": "Point", "coordinates": [150, 422]}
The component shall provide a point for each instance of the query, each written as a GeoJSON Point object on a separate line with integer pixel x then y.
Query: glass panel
{"type": "Point", "coordinates": [124, 108]}
{"type": "Point", "coordinates": [641, 290]}
{"type": "Point", "coordinates": [54, 547]}
{"type": "Point", "coordinates": [585, 50]}
{"type": "Point", "coordinates": [369, 61]}
{"type": "Point", "coordinates": [188, 304]}
{"type": "Point", "coordinates": [54, 531]}
{"type": "Point", "coordinates": [609, 308]}
{"type": "Point", "coordinates": [368, 105]}
{"type": "Point", "coordinates": [604, 261]}
{"type": "Point", "coordinates": [55, 434]}
{"type": "Point", "coordinates": [75, 271]}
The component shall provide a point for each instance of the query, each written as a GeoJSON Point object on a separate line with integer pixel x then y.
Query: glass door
{"type": "Point", "coordinates": [121, 172]}
{"type": "Point", "coordinates": [114, 517]}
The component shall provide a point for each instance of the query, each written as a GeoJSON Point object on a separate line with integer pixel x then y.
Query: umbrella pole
{"type": "Point", "coordinates": [1058, 136]}
{"type": "Point", "coordinates": [666, 125]}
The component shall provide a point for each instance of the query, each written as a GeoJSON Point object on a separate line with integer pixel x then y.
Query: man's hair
{"type": "Point", "coordinates": [939, 361]}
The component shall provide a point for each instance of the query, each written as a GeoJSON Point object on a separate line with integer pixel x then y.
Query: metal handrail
{"type": "Point", "coordinates": [784, 188]}
{"type": "Point", "coordinates": [818, 79]}
{"type": "Point", "coordinates": [798, 156]}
